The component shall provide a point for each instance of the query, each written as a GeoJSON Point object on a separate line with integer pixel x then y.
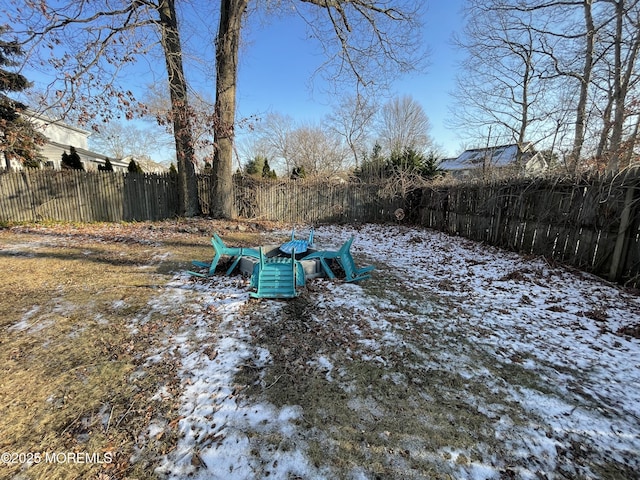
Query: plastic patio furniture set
{"type": "Point", "coordinates": [277, 276]}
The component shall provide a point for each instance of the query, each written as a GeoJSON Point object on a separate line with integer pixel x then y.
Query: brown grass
{"type": "Point", "coordinates": [74, 374]}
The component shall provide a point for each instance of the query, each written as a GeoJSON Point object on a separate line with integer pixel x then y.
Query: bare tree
{"type": "Point", "coordinates": [117, 140]}
{"type": "Point", "coordinates": [352, 120]}
{"type": "Point", "coordinates": [606, 44]}
{"type": "Point", "coordinates": [254, 147]}
{"type": "Point", "coordinates": [91, 42]}
{"type": "Point", "coordinates": [232, 13]}
{"type": "Point", "coordinates": [404, 125]}
{"type": "Point", "coordinates": [594, 44]}
{"type": "Point", "coordinates": [316, 148]}
{"type": "Point", "coordinates": [202, 125]}
{"type": "Point", "coordinates": [275, 139]}
{"type": "Point", "coordinates": [320, 152]}
{"type": "Point", "coordinates": [180, 112]}
{"type": "Point", "coordinates": [586, 38]}
{"type": "Point", "coordinates": [625, 41]}
{"type": "Point", "coordinates": [499, 88]}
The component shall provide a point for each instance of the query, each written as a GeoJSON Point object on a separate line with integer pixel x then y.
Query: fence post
{"type": "Point", "coordinates": [617, 258]}
{"type": "Point", "coordinates": [26, 178]}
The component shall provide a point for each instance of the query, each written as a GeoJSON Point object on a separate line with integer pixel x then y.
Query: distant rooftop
{"type": "Point", "coordinates": [499, 156]}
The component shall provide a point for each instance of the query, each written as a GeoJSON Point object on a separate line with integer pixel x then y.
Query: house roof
{"type": "Point", "coordinates": [499, 156]}
{"type": "Point", "coordinates": [452, 164]}
{"type": "Point", "coordinates": [88, 154]}
{"type": "Point", "coordinates": [144, 162]}
{"type": "Point", "coordinates": [52, 121]}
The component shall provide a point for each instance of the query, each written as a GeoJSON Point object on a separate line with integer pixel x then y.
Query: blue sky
{"type": "Point", "coordinates": [278, 64]}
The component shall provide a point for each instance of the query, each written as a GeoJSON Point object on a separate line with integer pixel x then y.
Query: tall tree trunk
{"type": "Point", "coordinates": [606, 126]}
{"type": "Point", "coordinates": [621, 82]}
{"type": "Point", "coordinates": [180, 112]}
{"type": "Point", "coordinates": [227, 44]}
{"type": "Point", "coordinates": [618, 94]}
{"type": "Point", "coordinates": [585, 81]}
{"type": "Point", "coordinates": [524, 110]}
{"type": "Point", "coordinates": [631, 144]}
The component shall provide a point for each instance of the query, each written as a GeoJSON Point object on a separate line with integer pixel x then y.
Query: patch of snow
{"type": "Point", "coordinates": [24, 323]}
{"type": "Point", "coordinates": [548, 323]}
{"type": "Point", "coordinates": [213, 441]}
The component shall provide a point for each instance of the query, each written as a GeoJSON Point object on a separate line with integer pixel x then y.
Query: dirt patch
{"type": "Point", "coordinates": [632, 330]}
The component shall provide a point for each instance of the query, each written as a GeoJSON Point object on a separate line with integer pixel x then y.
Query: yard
{"type": "Point", "coordinates": [455, 360]}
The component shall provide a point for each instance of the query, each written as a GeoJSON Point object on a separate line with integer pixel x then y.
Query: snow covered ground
{"type": "Point", "coordinates": [455, 360]}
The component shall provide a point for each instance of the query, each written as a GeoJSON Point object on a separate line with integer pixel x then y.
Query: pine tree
{"type": "Point", "coordinates": [255, 166]}
{"type": "Point", "coordinates": [430, 167]}
{"type": "Point", "coordinates": [266, 170]}
{"type": "Point", "coordinates": [134, 167]}
{"type": "Point", "coordinates": [373, 166]}
{"type": "Point", "coordinates": [107, 167]}
{"type": "Point", "coordinates": [71, 161]}
{"type": "Point", "coordinates": [19, 140]}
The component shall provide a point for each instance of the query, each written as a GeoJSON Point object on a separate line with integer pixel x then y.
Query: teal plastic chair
{"type": "Point", "coordinates": [236, 253]}
{"type": "Point", "coordinates": [275, 277]}
{"type": "Point", "coordinates": [346, 261]}
{"type": "Point", "coordinates": [297, 246]}
{"type": "Point", "coordinates": [309, 241]}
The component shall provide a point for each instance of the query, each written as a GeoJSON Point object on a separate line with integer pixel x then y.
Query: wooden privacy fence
{"type": "Point", "coordinates": [71, 195]}
{"type": "Point", "coordinates": [77, 196]}
{"type": "Point", "coordinates": [312, 201]}
{"type": "Point", "coordinates": [593, 225]}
